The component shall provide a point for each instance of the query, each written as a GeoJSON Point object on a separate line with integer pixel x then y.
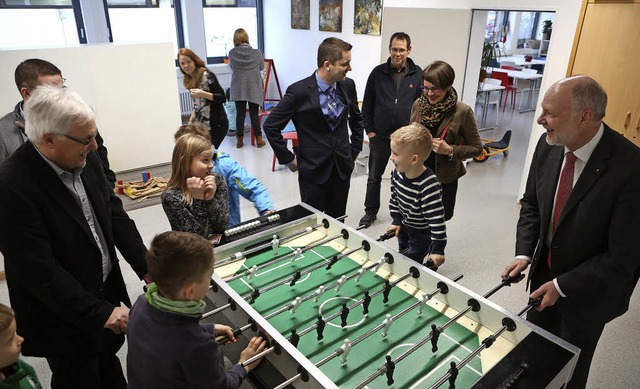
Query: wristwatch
{"type": "Point", "coordinates": [451, 155]}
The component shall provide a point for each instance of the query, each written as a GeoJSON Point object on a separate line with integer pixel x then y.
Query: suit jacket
{"type": "Point", "coordinates": [595, 256]}
{"type": "Point", "coordinates": [53, 263]}
{"type": "Point", "coordinates": [319, 148]}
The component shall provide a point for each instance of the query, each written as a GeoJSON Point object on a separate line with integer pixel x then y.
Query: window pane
{"type": "Point", "coordinates": [37, 3]}
{"type": "Point", "coordinates": [135, 3]}
{"type": "Point", "coordinates": [220, 24]}
{"type": "Point", "coordinates": [47, 27]}
{"type": "Point", "coordinates": [159, 24]}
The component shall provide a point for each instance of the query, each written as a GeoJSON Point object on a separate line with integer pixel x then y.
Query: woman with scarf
{"type": "Point", "coordinates": [453, 127]}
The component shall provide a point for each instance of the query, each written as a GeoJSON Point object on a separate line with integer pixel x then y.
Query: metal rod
{"type": "Point", "coordinates": [213, 312]}
{"type": "Point", "coordinates": [258, 356]}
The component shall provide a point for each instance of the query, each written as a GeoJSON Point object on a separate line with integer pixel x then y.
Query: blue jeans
{"type": "Point", "coordinates": [414, 243]}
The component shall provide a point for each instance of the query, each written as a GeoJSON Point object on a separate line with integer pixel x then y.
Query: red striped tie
{"type": "Point", "coordinates": [565, 186]}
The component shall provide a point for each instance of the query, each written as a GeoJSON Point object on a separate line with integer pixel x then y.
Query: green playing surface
{"type": "Point", "coordinates": [421, 369]}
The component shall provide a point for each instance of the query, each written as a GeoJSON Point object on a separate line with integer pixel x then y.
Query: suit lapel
{"type": "Point", "coordinates": [592, 172]}
{"type": "Point", "coordinates": [56, 190]}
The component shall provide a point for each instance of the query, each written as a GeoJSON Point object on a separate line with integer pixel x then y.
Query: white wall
{"type": "Point", "coordinates": [295, 51]}
{"type": "Point", "coordinates": [132, 88]}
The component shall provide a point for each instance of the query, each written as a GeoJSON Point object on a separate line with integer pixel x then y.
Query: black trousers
{"type": "Point", "coordinates": [449, 192]}
{"type": "Point", "coordinates": [329, 197]}
{"type": "Point", "coordinates": [218, 132]}
{"type": "Point", "coordinates": [379, 153]}
{"type": "Point", "coordinates": [102, 370]}
{"type": "Point", "coordinates": [580, 333]}
{"type": "Point", "coordinates": [241, 112]}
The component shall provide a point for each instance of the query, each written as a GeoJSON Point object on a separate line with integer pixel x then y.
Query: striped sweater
{"type": "Point", "coordinates": [417, 203]}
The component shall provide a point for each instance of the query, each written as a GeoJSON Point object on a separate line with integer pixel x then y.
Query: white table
{"type": "Point", "coordinates": [520, 75]}
{"type": "Point", "coordinates": [519, 61]}
{"type": "Point", "coordinates": [487, 89]}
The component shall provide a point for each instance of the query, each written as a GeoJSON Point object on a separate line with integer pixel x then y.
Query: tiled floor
{"type": "Point", "coordinates": [481, 238]}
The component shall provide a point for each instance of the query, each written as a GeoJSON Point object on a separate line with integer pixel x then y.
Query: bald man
{"type": "Point", "coordinates": [579, 220]}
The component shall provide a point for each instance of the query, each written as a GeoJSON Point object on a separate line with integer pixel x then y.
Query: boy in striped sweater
{"type": "Point", "coordinates": [416, 198]}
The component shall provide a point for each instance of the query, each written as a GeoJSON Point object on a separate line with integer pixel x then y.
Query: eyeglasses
{"type": "Point", "coordinates": [84, 142]}
{"type": "Point", "coordinates": [427, 89]}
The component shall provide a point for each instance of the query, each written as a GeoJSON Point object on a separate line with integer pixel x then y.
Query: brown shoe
{"type": "Point", "coordinates": [240, 142]}
{"type": "Point", "coordinates": [259, 141]}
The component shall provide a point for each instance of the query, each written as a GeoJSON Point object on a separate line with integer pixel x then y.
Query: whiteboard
{"type": "Point", "coordinates": [436, 34]}
{"type": "Point", "coordinates": [132, 88]}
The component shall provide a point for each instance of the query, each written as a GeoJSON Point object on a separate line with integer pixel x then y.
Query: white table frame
{"type": "Point", "coordinates": [520, 75]}
{"type": "Point", "coordinates": [486, 89]}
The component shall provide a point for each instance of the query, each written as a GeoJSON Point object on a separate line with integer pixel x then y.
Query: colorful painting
{"type": "Point", "coordinates": [300, 14]}
{"type": "Point", "coordinates": [331, 15]}
{"type": "Point", "coordinates": [367, 17]}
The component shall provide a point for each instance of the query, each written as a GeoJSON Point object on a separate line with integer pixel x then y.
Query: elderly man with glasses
{"type": "Point", "coordinates": [61, 224]}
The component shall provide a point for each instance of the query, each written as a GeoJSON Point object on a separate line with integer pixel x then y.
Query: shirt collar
{"type": "Point", "coordinates": [323, 85]}
{"type": "Point", "coordinates": [584, 152]}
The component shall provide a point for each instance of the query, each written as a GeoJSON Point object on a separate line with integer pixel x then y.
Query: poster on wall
{"type": "Point", "coordinates": [367, 17]}
{"type": "Point", "coordinates": [331, 15]}
{"type": "Point", "coordinates": [300, 14]}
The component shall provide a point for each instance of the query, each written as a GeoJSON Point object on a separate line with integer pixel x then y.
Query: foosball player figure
{"type": "Point", "coordinates": [435, 334]}
{"type": "Point", "coordinates": [344, 313]}
{"type": "Point", "coordinates": [320, 326]}
{"type": "Point", "coordinates": [366, 300]}
{"type": "Point", "coordinates": [453, 374]}
{"type": "Point", "coordinates": [390, 367]}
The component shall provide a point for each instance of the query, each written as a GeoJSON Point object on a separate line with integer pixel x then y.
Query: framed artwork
{"type": "Point", "coordinates": [300, 15]}
{"type": "Point", "coordinates": [367, 17]}
{"type": "Point", "coordinates": [331, 15]}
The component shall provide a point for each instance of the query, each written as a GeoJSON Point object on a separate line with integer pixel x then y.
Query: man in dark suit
{"type": "Point", "coordinates": [60, 223]}
{"type": "Point", "coordinates": [320, 107]}
{"type": "Point", "coordinates": [580, 219]}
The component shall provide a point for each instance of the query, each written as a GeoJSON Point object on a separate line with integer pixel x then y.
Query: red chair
{"type": "Point", "coordinates": [293, 135]}
{"type": "Point", "coordinates": [508, 87]}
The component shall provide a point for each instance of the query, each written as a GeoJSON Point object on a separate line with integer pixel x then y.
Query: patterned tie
{"type": "Point", "coordinates": [565, 186]}
{"type": "Point", "coordinates": [332, 107]}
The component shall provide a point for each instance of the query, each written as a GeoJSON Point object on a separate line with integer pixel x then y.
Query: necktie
{"type": "Point", "coordinates": [565, 186]}
{"type": "Point", "coordinates": [332, 107]}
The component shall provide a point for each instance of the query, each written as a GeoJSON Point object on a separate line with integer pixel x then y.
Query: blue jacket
{"type": "Point", "coordinates": [240, 182]}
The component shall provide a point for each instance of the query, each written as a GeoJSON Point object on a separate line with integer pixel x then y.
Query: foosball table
{"type": "Point", "coordinates": [342, 310]}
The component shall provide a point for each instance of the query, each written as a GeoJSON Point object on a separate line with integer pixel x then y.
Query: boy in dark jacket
{"type": "Point", "coordinates": [168, 346]}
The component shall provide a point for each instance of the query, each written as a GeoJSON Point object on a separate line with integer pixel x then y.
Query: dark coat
{"type": "Point", "coordinates": [53, 263]}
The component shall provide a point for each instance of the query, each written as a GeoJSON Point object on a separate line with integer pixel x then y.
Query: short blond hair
{"type": "Point", "coordinates": [416, 137]}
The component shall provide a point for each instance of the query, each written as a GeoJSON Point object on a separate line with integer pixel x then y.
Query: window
{"type": "Point", "coordinates": [134, 21]}
{"type": "Point", "coordinates": [51, 23]}
{"type": "Point", "coordinates": [222, 18]}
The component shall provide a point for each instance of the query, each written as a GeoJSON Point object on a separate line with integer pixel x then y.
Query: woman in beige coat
{"type": "Point", "coordinates": [453, 127]}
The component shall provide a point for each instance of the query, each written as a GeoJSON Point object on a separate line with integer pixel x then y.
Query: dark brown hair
{"type": "Point", "coordinates": [193, 128]}
{"type": "Point", "coordinates": [177, 258]}
{"type": "Point", "coordinates": [440, 74]}
{"type": "Point", "coordinates": [331, 50]}
{"type": "Point", "coordinates": [27, 73]}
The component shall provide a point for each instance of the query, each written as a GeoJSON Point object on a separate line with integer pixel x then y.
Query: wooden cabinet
{"type": "Point", "coordinates": [606, 48]}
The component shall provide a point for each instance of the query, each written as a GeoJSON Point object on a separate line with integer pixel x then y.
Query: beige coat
{"type": "Point", "coordinates": [462, 126]}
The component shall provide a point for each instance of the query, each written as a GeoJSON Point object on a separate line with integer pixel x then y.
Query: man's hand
{"type": "Point", "coordinates": [514, 269]}
{"type": "Point", "coordinates": [371, 135]}
{"type": "Point", "coordinates": [293, 166]}
{"type": "Point", "coordinates": [548, 293]}
{"type": "Point", "coordinates": [118, 320]}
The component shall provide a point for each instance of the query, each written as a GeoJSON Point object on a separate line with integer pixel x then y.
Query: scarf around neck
{"type": "Point", "coordinates": [432, 115]}
{"type": "Point", "coordinates": [188, 307]}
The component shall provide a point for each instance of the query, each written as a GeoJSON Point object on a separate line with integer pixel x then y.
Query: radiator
{"type": "Point", "coordinates": [186, 103]}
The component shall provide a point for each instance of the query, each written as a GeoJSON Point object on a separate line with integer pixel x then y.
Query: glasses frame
{"type": "Point", "coordinates": [85, 142]}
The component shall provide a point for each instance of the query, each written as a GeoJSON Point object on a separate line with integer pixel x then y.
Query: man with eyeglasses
{"type": "Point", "coordinates": [60, 225]}
{"type": "Point", "coordinates": [28, 75]}
{"type": "Point", "coordinates": [391, 89]}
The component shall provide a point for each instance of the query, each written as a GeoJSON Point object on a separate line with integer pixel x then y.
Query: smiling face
{"type": "Point", "coordinates": [201, 164]}
{"type": "Point", "coordinates": [186, 64]}
{"type": "Point", "coordinates": [10, 345]}
{"type": "Point", "coordinates": [434, 93]}
{"type": "Point", "coordinates": [402, 157]}
{"type": "Point", "coordinates": [70, 152]}
{"type": "Point", "coordinates": [338, 71]}
{"type": "Point", "coordinates": [558, 118]}
{"type": "Point", "coordinates": [399, 51]}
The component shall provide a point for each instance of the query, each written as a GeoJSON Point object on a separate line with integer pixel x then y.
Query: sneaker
{"type": "Point", "coordinates": [240, 142]}
{"type": "Point", "coordinates": [367, 219]}
{"type": "Point", "coordinates": [259, 142]}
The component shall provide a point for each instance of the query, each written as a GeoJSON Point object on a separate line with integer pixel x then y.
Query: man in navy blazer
{"type": "Point", "coordinates": [584, 269]}
{"type": "Point", "coordinates": [60, 224]}
{"type": "Point", "coordinates": [326, 152]}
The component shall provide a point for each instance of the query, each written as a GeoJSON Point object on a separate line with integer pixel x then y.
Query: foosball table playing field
{"type": "Point", "coordinates": [342, 310]}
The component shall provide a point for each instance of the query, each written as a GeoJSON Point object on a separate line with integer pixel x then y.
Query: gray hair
{"type": "Point", "coordinates": [54, 110]}
{"type": "Point", "coordinates": [588, 94]}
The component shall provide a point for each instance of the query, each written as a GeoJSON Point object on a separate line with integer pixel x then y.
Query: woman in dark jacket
{"type": "Point", "coordinates": [208, 96]}
{"type": "Point", "coordinates": [453, 127]}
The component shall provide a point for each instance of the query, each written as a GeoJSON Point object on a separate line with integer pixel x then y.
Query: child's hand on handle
{"type": "Point", "coordinates": [256, 346]}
